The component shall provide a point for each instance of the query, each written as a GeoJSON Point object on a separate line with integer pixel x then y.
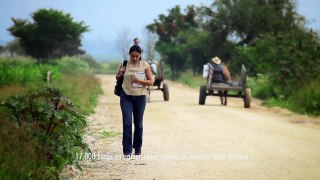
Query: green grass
{"type": "Point", "coordinates": [272, 102]}
{"type": "Point", "coordinates": [307, 99]}
{"type": "Point", "coordinates": [108, 134]}
{"type": "Point", "coordinates": [23, 71]}
{"type": "Point", "coordinates": [83, 90]}
{"type": "Point", "coordinates": [11, 90]}
{"type": "Point", "coordinates": [188, 79]}
{"type": "Point", "coordinates": [18, 157]}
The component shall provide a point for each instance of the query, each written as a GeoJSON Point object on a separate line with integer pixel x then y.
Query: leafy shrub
{"type": "Point", "coordinates": [291, 59]}
{"type": "Point", "coordinates": [261, 87]}
{"type": "Point", "coordinates": [54, 126]}
{"type": "Point", "coordinates": [307, 99]}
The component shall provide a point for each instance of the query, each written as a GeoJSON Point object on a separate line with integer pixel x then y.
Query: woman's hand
{"type": "Point", "coordinates": [135, 79]}
{"type": "Point", "coordinates": [120, 73]}
{"type": "Point", "coordinates": [122, 70]}
{"type": "Point", "coordinates": [148, 82]}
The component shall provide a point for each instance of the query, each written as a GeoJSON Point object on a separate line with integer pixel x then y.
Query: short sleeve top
{"type": "Point", "coordinates": [127, 84]}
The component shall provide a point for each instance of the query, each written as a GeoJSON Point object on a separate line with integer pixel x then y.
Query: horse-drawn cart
{"type": "Point", "coordinates": [158, 83]}
{"type": "Point", "coordinates": [223, 89]}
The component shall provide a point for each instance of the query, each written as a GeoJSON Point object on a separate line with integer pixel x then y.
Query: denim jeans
{"type": "Point", "coordinates": [132, 105]}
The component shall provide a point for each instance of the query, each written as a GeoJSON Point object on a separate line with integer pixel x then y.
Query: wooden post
{"type": "Point", "coordinates": [48, 77]}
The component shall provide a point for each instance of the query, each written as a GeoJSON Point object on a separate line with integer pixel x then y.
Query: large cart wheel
{"type": "Point", "coordinates": [165, 92]}
{"type": "Point", "coordinates": [247, 98]}
{"type": "Point", "coordinates": [203, 94]}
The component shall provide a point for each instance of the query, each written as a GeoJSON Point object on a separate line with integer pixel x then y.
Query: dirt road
{"type": "Point", "coordinates": [183, 140]}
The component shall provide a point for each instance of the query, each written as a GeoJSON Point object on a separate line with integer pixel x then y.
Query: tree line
{"type": "Point", "coordinates": [230, 29]}
{"type": "Point", "coordinates": [267, 36]}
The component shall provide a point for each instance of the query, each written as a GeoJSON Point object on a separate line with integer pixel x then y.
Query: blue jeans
{"type": "Point", "coordinates": [132, 105]}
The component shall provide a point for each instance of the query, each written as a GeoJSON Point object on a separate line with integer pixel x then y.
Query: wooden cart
{"type": "Point", "coordinates": [217, 89]}
{"type": "Point", "coordinates": [159, 84]}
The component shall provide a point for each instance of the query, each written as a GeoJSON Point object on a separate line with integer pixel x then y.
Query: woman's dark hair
{"type": "Point", "coordinates": [135, 48]}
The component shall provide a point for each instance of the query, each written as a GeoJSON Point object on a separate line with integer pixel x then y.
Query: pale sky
{"type": "Point", "coordinates": [106, 17]}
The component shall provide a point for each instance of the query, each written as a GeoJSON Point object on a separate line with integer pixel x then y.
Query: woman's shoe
{"type": "Point", "coordinates": [137, 152]}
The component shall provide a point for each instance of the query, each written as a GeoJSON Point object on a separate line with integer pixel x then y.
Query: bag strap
{"type": "Point", "coordinates": [125, 62]}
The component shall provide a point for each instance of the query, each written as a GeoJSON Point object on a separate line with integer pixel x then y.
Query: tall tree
{"type": "Point", "coordinates": [149, 45]}
{"type": "Point", "coordinates": [169, 45]}
{"type": "Point", "coordinates": [124, 42]}
{"type": "Point", "coordinates": [248, 19]}
{"type": "Point", "coordinates": [52, 34]}
{"type": "Point", "coordinates": [194, 50]}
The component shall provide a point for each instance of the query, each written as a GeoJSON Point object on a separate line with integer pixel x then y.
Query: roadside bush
{"type": "Point", "coordinates": [52, 125]}
{"type": "Point", "coordinates": [307, 99]}
{"type": "Point", "coordinates": [290, 59]}
{"type": "Point", "coordinates": [262, 88]}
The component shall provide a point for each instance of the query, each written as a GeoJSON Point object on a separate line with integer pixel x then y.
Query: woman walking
{"type": "Point", "coordinates": [137, 76]}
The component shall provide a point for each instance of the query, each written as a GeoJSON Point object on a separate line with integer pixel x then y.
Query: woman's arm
{"type": "Point", "coordinates": [148, 82]}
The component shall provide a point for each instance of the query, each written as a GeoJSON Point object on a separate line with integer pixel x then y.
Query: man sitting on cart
{"type": "Point", "coordinates": [221, 73]}
{"type": "Point", "coordinates": [153, 67]}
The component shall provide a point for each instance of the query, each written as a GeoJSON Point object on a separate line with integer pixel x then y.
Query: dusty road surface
{"type": "Point", "coordinates": [183, 140]}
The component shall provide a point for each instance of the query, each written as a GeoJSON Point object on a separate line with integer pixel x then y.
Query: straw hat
{"type": "Point", "coordinates": [216, 60]}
